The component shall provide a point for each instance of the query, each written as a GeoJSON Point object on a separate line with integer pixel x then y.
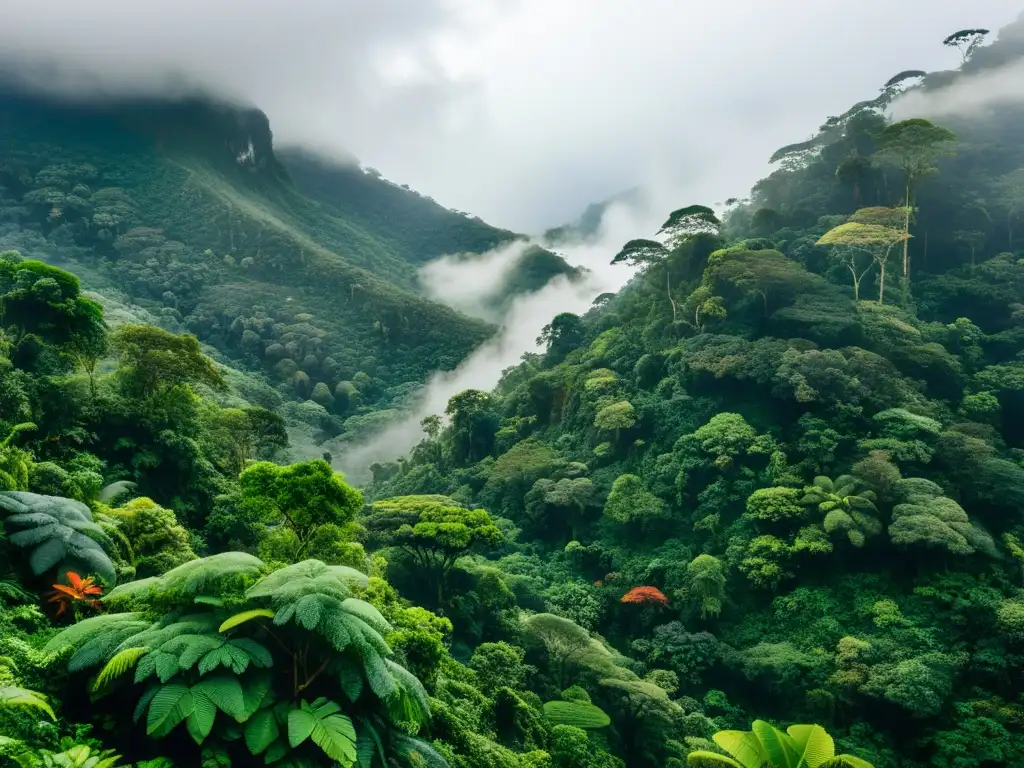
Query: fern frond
{"type": "Point", "coordinates": [117, 666]}
{"type": "Point", "coordinates": [124, 592]}
{"type": "Point", "coordinates": [172, 626]}
{"type": "Point", "coordinates": [306, 578]}
{"type": "Point", "coordinates": [418, 753]}
{"type": "Point", "coordinates": [259, 654]}
{"type": "Point", "coordinates": [12, 696]}
{"type": "Point", "coordinates": [169, 706]}
{"type": "Point", "coordinates": [381, 682]}
{"type": "Point", "coordinates": [190, 578]}
{"type": "Point", "coordinates": [368, 613]}
{"type": "Point", "coordinates": [86, 629]}
{"type": "Point", "coordinates": [349, 675]}
{"type": "Point", "coordinates": [189, 649]}
{"type": "Point", "coordinates": [415, 703]}
{"type": "Point", "coordinates": [103, 646]}
{"type": "Point", "coordinates": [58, 530]}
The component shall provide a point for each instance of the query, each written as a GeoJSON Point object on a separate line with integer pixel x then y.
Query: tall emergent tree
{"type": "Point", "coordinates": [913, 146]}
{"type": "Point", "coordinates": [873, 231]}
{"type": "Point", "coordinates": [966, 41]}
{"type": "Point", "coordinates": [645, 253]}
{"type": "Point", "coordinates": [434, 530]}
{"type": "Point", "coordinates": [682, 225]}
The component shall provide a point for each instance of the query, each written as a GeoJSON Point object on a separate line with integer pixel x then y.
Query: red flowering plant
{"type": "Point", "coordinates": [75, 592]}
{"type": "Point", "coordinates": [645, 595]}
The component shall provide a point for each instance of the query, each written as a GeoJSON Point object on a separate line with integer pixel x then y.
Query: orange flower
{"type": "Point", "coordinates": [77, 590]}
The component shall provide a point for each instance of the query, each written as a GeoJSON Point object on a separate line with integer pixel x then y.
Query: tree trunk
{"type": "Point", "coordinates": [881, 284]}
{"type": "Point", "coordinates": [668, 291]}
{"type": "Point", "coordinates": [906, 241]}
{"type": "Point", "coordinates": [856, 285]}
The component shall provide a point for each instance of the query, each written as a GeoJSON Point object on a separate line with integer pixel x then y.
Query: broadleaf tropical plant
{"type": "Point", "coordinates": [846, 509]}
{"type": "Point", "coordinates": [765, 746]}
{"type": "Point", "coordinates": [265, 670]}
{"type": "Point", "coordinates": [60, 532]}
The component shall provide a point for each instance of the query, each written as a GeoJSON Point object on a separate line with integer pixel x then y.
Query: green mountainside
{"type": "Point", "coordinates": [783, 486]}
{"type": "Point", "coordinates": [187, 210]}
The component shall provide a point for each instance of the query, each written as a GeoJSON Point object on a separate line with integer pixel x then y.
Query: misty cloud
{"type": "Point", "coordinates": [521, 111]}
{"type": "Point", "coordinates": [519, 330]}
{"type": "Point", "coordinates": [966, 95]}
{"type": "Point", "coordinates": [467, 282]}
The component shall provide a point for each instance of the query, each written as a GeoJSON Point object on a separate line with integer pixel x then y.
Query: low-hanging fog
{"type": "Point", "coordinates": [520, 327]}
{"type": "Point", "coordinates": [968, 97]}
{"type": "Point", "coordinates": [519, 111]}
{"type": "Point", "coordinates": [467, 282]}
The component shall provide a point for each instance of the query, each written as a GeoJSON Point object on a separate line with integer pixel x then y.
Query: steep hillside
{"type": "Point", "coordinates": [414, 225]}
{"type": "Point", "coordinates": [783, 469]}
{"type": "Point", "coordinates": [187, 208]}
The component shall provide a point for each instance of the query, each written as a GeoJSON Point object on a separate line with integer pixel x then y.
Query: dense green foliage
{"type": "Point", "coordinates": [298, 270]}
{"type": "Point", "coordinates": [747, 491]}
{"type": "Point", "coordinates": [768, 489]}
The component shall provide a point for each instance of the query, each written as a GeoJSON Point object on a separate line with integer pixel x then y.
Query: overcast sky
{"type": "Point", "coordinates": [521, 111]}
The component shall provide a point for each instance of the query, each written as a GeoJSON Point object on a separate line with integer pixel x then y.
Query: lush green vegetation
{"type": "Point", "coordinates": [186, 210]}
{"type": "Point", "coordinates": [760, 509]}
{"type": "Point", "coordinates": [783, 470]}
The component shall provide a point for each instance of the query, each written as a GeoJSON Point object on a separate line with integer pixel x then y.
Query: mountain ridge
{"type": "Point", "coordinates": [187, 206]}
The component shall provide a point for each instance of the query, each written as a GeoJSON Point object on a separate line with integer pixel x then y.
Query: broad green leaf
{"type": "Point", "coordinates": [330, 731]}
{"type": "Point", "coordinates": [301, 722]}
{"type": "Point", "coordinates": [204, 712]}
{"type": "Point", "coordinates": [171, 704]}
{"type": "Point", "coordinates": [276, 751]}
{"type": "Point", "coordinates": [144, 702]}
{"type": "Point", "coordinates": [777, 746]}
{"type": "Point", "coordinates": [244, 616]}
{"type": "Point", "coordinates": [255, 694]}
{"type": "Point", "coordinates": [12, 696]}
{"type": "Point", "coordinates": [742, 745]}
{"type": "Point", "coordinates": [225, 692]}
{"type": "Point", "coordinates": [337, 738]}
{"type": "Point", "coordinates": [813, 744]}
{"type": "Point", "coordinates": [261, 731]}
{"type": "Point", "coordinates": [365, 751]}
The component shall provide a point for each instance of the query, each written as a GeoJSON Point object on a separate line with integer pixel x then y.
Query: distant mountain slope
{"type": "Point", "coordinates": [410, 223]}
{"type": "Point", "coordinates": [588, 224]}
{"type": "Point", "coordinates": [187, 209]}
{"type": "Point", "coordinates": [407, 221]}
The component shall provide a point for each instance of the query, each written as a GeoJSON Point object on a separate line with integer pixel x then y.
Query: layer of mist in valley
{"type": "Point", "coordinates": [464, 283]}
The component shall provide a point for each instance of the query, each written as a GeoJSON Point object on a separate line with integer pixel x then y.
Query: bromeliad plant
{"type": "Point", "coordinates": [765, 746]}
{"type": "Point", "coordinates": [77, 591]}
{"type": "Point", "coordinates": [291, 667]}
